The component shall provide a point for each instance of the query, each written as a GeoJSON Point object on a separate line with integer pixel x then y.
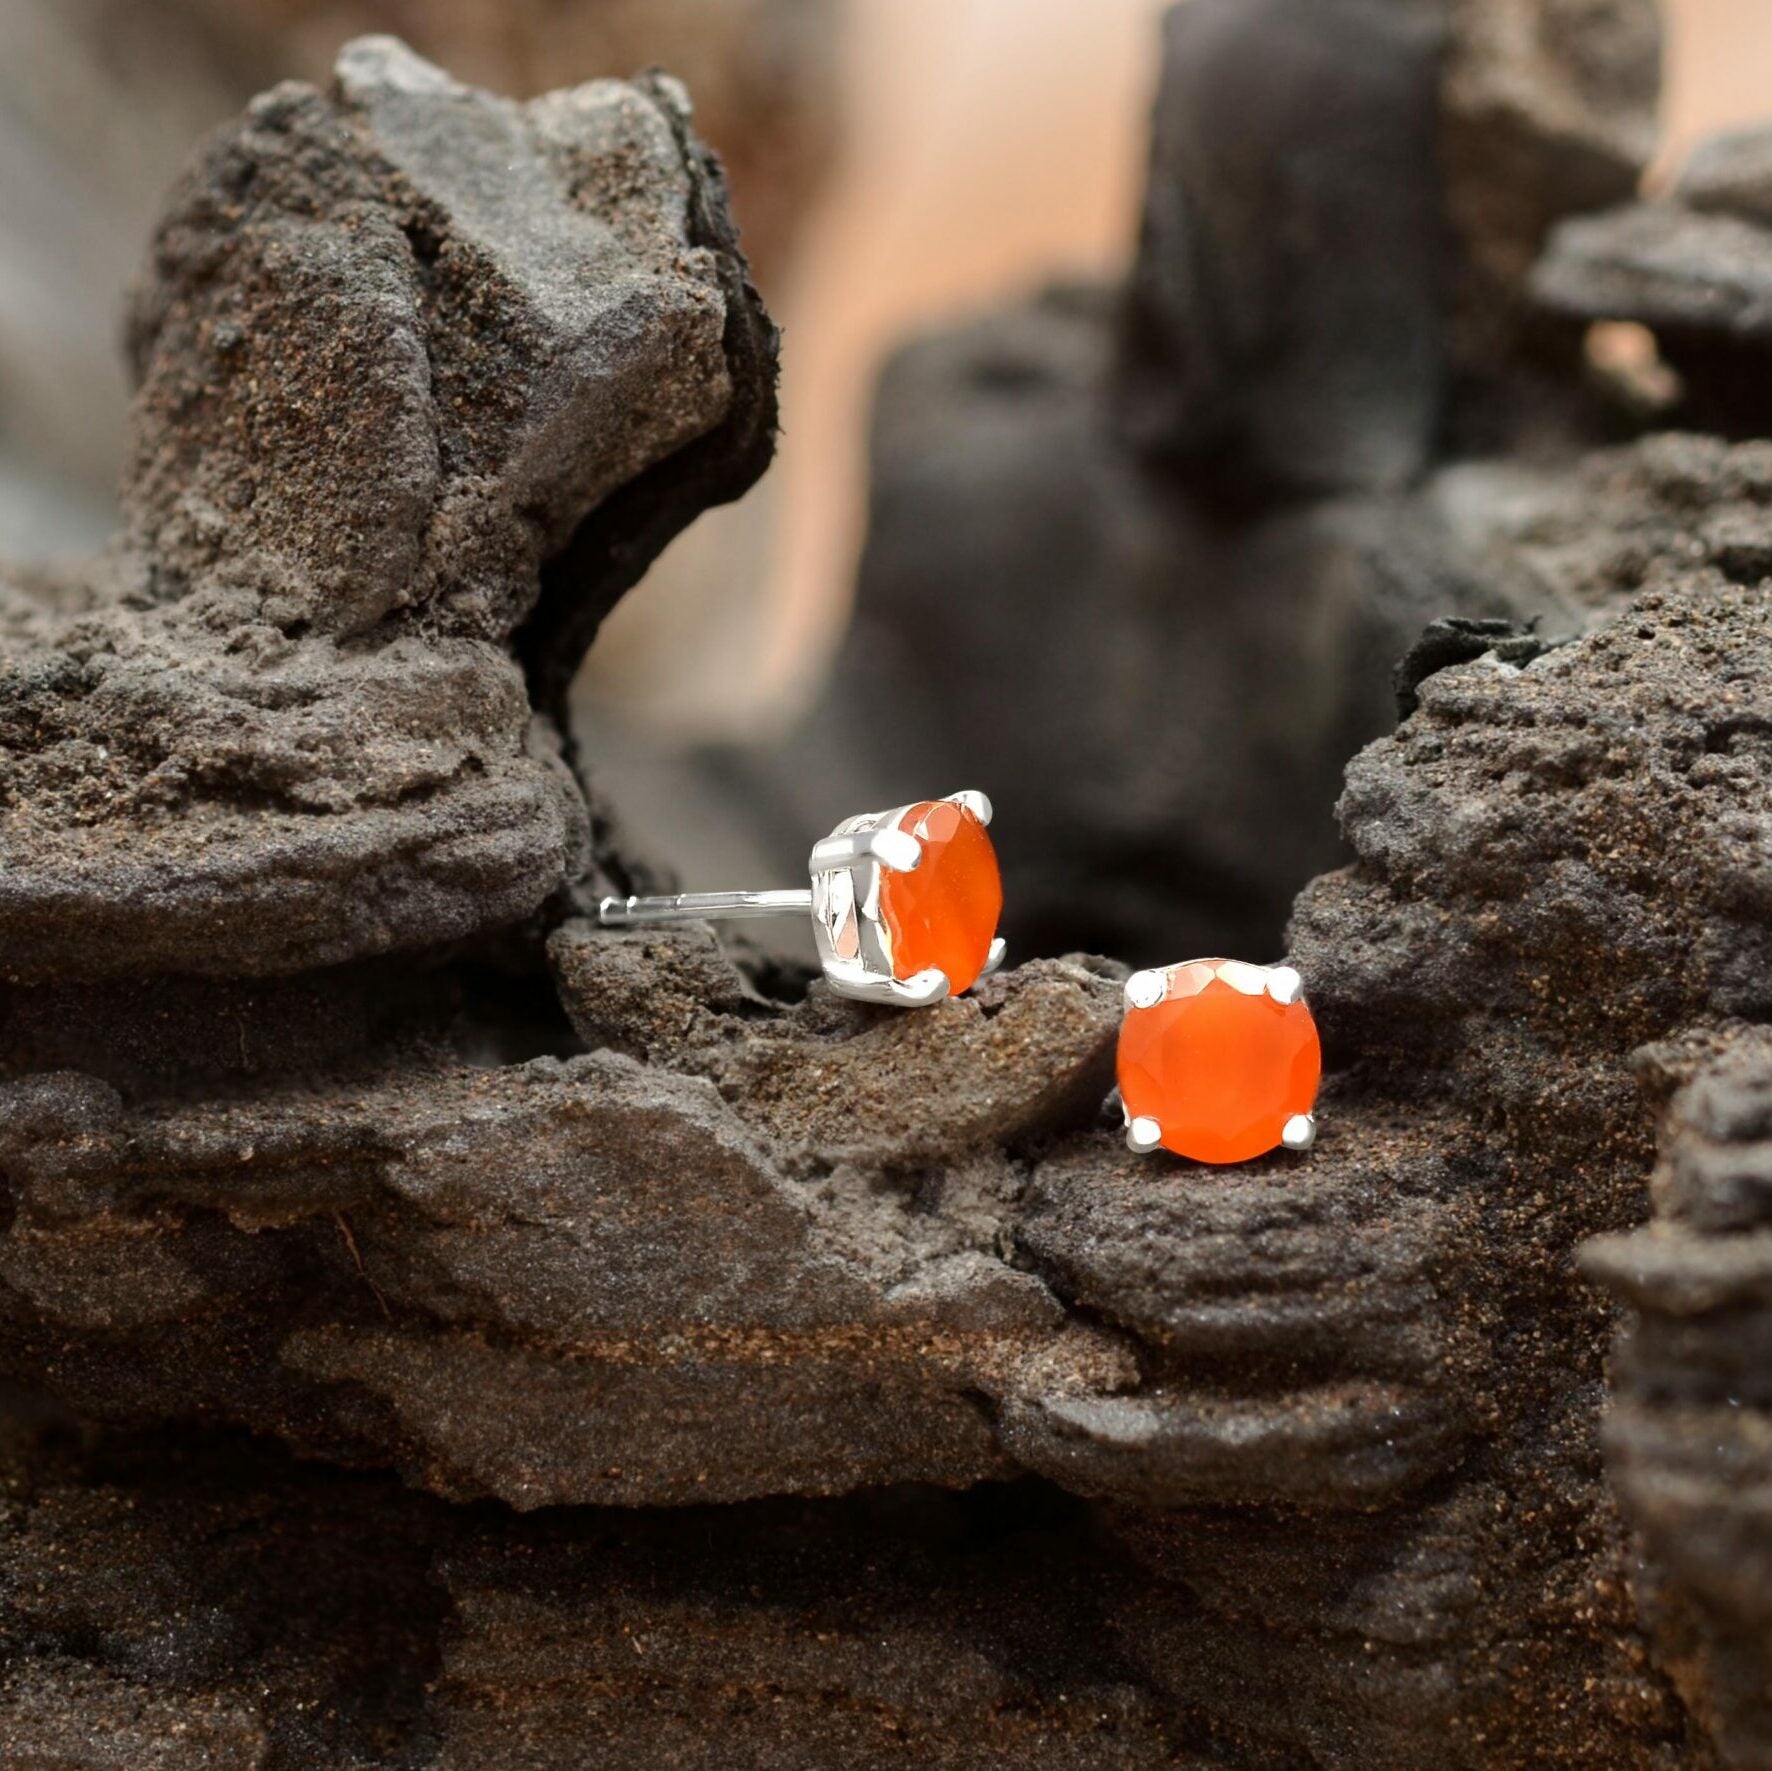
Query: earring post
{"type": "Point", "coordinates": [615, 913]}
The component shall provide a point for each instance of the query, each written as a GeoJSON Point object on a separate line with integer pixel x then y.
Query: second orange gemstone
{"type": "Point", "coordinates": [1220, 1069]}
{"type": "Point", "coordinates": [945, 911]}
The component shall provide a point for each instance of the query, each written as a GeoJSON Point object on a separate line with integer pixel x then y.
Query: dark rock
{"type": "Point", "coordinates": [216, 1607]}
{"type": "Point", "coordinates": [1343, 1412]}
{"type": "Point", "coordinates": [1283, 125]}
{"type": "Point", "coordinates": [1345, 200]}
{"type": "Point", "coordinates": [1555, 863]}
{"type": "Point", "coordinates": [1548, 110]}
{"type": "Point", "coordinates": [572, 1280]}
{"type": "Point", "coordinates": [1695, 269]}
{"type": "Point", "coordinates": [403, 348]}
{"type": "Point", "coordinates": [1240, 1406]}
{"type": "Point", "coordinates": [1458, 640]}
{"type": "Point", "coordinates": [832, 1081]}
{"type": "Point", "coordinates": [1730, 174]}
{"type": "Point", "coordinates": [1689, 1428]}
{"type": "Point", "coordinates": [771, 1259]}
{"type": "Point", "coordinates": [1678, 271]}
{"type": "Point", "coordinates": [1311, 1448]}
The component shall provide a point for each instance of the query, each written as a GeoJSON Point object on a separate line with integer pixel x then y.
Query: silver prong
{"type": "Point", "coordinates": [1143, 1134]}
{"type": "Point", "coordinates": [1146, 989]}
{"type": "Point", "coordinates": [974, 802]}
{"type": "Point", "coordinates": [1284, 985]}
{"type": "Point", "coordinates": [1300, 1132]}
{"type": "Point", "coordinates": [917, 991]}
{"type": "Point", "coordinates": [896, 849]}
{"type": "Point", "coordinates": [994, 958]}
{"type": "Point", "coordinates": [1247, 979]}
{"type": "Point", "coordinates": [891, 847]}
{"type": "Point", "coordinates": [922, 988]}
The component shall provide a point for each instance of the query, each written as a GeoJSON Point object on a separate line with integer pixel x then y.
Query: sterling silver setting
{"type": "Point", "coordinates": [853, 939]}
{"type": "Point", "coordinates": [1148, 988]}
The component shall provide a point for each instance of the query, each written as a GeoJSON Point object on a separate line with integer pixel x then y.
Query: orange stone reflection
{"type": "Point", "coordinates": [945, 911]}
{"type": "Point", "coordinates": [1219, 1070]}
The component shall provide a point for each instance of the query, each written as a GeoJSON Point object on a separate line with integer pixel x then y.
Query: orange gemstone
{"type": "Point", "coordinates": [944, 912]}
{"type": "Point", "coordinates": [1220, 1069]}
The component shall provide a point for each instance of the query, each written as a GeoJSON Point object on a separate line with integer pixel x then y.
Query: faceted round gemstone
{"type": "Point", "coordinates": [944, 912]}
{"type": "Point", "coordinates": [1220, 1069]}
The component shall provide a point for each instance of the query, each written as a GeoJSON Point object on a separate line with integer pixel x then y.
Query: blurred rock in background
{"type": "Point", "coordinates": [1194, 521]}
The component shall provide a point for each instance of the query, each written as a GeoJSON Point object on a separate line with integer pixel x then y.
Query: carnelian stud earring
{"type": "Point", "coordinates": [905, 903]}
{"type": "Point", "coordinates": [1219, 1060]}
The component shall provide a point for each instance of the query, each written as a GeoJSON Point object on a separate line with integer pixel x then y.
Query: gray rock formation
{"type": "Point", "coordinates": [426, 379]}
{"type": "Point", "coordinates": [688, 1368]}
{"type": "Point", "coordinates": [1688, 1430]}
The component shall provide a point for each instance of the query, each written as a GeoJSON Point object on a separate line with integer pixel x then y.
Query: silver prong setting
{"type": "Point", "coordinates": [923, 988]}
{"type": "Point", "coordinates": [891, 847]}
{"type": "Point", "coordinates": [896, 849]}
{"type": "Point", "coordinates": [1146, 989]}
{"type": "Point", "coordinates": [1299, 1132]}
{"type": "Point", "coordinates": [920, 990]}
{"type": "Point", "coordinates": [1284, 985]}
{"type": "Point", "coordinates": [1143, 1134]}
{"type": "Point", "coordinates": [850, 871]}
{"type": "Point", "coordinates": [1244, 978]}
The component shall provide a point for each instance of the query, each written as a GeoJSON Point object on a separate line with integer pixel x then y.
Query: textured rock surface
{"type": "Point", "coordinates": [1555, 864]}
{"type": "Point", "coordinates": [400, 348]}
{"type": "Point", "coordinates": [206, 1610]}
{"type": "Point", "coordinates": [769, 1261]}
{"type": "Point", "coordinates": [1689, 1433]}
{"type": "Point", "coordinates": [1308, 1453]}
{"type": "Point", "coordinates": [101, 100]}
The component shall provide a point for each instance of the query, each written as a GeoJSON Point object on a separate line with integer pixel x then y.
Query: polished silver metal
{"type": "Point", "coordinates": [616, 913]}
{"type": "Point", "coordinates": [1146, 989]}
{"type": "Point", "coordinates": [1300, 1132]}
{"type": "Point", "coordinates": [1143, 1134]}
{"type": "Point", "coordinates": [1284, 985]}
{"type": "Point", "coordinates": [892, 847]}
{"type": "Point", "coordinates": [854, 943]}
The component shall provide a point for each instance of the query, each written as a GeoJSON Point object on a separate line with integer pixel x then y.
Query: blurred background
{"type": "Point", "coordinates": [896, 164]}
